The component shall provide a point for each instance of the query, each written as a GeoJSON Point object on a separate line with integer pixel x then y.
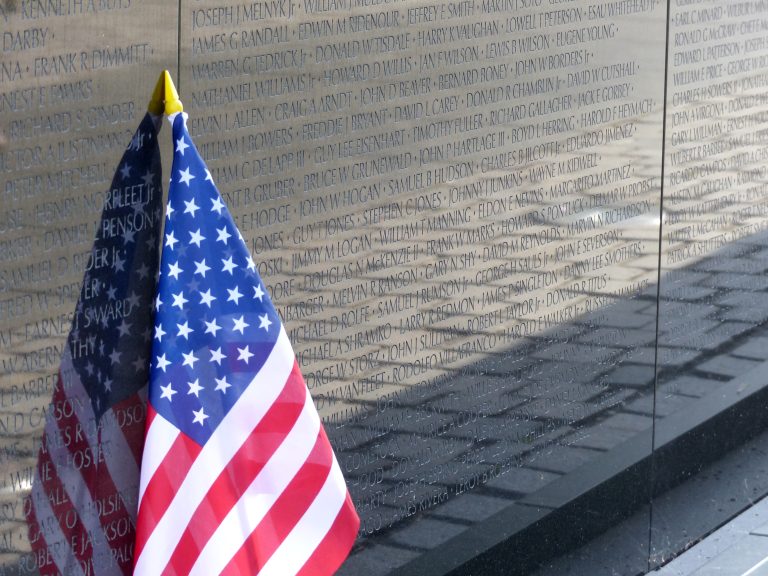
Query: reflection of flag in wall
{"type": "Point", "coordinates": [238, 476]}
{"type": "Point", "coordinates": [81, 515]}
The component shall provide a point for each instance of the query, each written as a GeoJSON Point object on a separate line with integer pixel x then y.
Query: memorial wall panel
{"type": "Point", "coordinates": [75, 80]}
{"type": "Point", "coordinates": [712, 304]}
{"type": "Point", "coordinates": [456, 208]}
{"type": "Point", "coordinates": [517, 245]}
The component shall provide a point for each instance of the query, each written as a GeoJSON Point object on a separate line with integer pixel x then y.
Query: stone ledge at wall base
{"type": "Point", "coordinates": [578, 507]}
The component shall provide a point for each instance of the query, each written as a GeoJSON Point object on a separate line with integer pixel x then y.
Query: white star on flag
{"type": "Point", "coordinates": [174, 270]}
{"type": "Point", "coordinates": [224, 235]}
{"type": "Point", "coordinates": [206, 298]}
{"type": "Point", "coordinates": [181, 146]}
{"type": "Point", "coordinates": [217, 356]}
{"type": "Point", "coordinates": [190, 207]}
{"type": "Point", "coordinates": [240, 325]}
{"type": "Point", "coordinates": [184, 330]}
{"type": "Point", "coordinates": [211, 327]}
{"type": "Point", "coordinates": [222, 384]}
{"type": "Point", "coordinates": [229, 266]}
{"type": "Point", "coordinates": [123, 328]}
{"type": "Point", "coordinates": [196, 238]}
{"type": "Point", "coordinates": [162, 363]}
{"type": "Point", "coordinates": [189, 359]}
{"type": "Point", "coordinates": [118, 264]}
{"type": "Point", "coordinates": [244, 354]}
{"type": "Point", "coordinates": [234, 295]}
{"type": "Point", "coordinates": [179, 300]}
{"type": "Point", "coordinates": [185, 177]}
{"type": "Point", "coordinates": [170, 240]}
{"type": "Point", "coordinates": [194, 387]}
{"type": "Point", "coordinates": [167, 391]}
{"type": "Point", "coordinates": [218, 205]}
{"type": "Point", "coordinates": [200, 416]}
{"type": "Point", "coordinates": [201, 268]}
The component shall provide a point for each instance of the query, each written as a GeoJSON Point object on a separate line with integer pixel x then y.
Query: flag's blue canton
{"type": "Point", "coordinates": [111, 333]}
{"type": "Point", "coordinates": [215, 325]}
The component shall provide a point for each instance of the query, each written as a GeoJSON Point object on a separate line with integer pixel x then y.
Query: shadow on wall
{"type": "Point", "coordinates": [571, 409]}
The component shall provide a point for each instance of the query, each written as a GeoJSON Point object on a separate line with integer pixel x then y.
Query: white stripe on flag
{"type": "Point", "coordinates": [49, 529]}
{"type": "Point", "coordinates": [260, 496]}
{"type": "Point", "coordinates": [226, 440]}
{"type": "Point", "coordinates": [306, 536]}
{"type": "Point", "coordinates": [160, 437]}
{"type": "Point", "coordinates": [118, 457]}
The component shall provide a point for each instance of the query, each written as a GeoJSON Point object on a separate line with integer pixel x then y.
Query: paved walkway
{"type": "Point", "coordinates": [740, 548]}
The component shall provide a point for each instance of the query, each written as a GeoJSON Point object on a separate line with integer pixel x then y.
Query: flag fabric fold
{"type": "Point", "coordinates": [238, 476]}
{"type": "Point", "coordinates": [82, 508]}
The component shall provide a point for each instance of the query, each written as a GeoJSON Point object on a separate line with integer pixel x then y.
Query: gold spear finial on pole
{"type": "Point", "coordinates": [165, 98]}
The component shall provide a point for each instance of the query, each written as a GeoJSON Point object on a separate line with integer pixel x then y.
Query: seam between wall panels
{"type": "Point", "coordinates": [658, 291]}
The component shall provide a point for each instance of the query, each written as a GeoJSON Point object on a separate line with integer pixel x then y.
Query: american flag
{"type": "Point", "coordinates": [238, 476]}
{"type": "Point", "coordinates": [82, 508]}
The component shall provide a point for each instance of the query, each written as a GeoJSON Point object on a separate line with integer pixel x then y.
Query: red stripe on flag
{"type": "Point", "coordinates": [131, 415]}
{"type": "Point", "coordinates": [163, 485]}
{"type": "Point", "coordinates": [285, 513]}
{"type": "Point", "coordinates": [240, 471]}
{"type": "Point", "coordinates": [151, 415]}
{"type": "Point", "coordinates": [333, 550]}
